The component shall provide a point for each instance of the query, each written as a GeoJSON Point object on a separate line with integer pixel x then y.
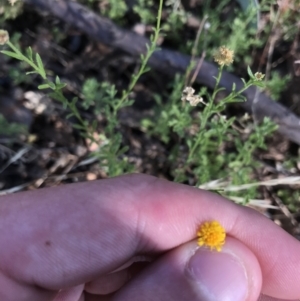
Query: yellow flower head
{"type": "Point", "coordinates": [224, 56]}
{"type": "Point", "coordinates": [211, 234]}
{"type": "Point", "coordinates": [4, 37]}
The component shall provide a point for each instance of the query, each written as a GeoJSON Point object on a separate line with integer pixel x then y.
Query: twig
{"type": "Point", "coordinates": [225, 186]}
{"type": "Point", "coordinates": [283, 207]}
{"type": "Point", "coordinates": [15, 158]}
{"type": "Point", "coordinates": [194, 53]}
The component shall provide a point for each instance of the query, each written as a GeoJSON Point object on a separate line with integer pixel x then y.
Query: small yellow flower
{"type": "Point", "coordinates": [4, 37]}
{"type": "Point", "coordinates": [212, 235]}
{"type": "Point", "coordinates": [224, 56]}
{"type": "Point", "coordinates": [259, 76]}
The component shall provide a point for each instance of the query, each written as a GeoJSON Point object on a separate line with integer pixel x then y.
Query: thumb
{"type": "Point", "coordinates": [233, 274]}
{"type": "Point", "coordinates": [192, 273]}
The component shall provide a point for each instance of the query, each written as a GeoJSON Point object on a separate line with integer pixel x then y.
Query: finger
{"type": "Point", "coordinates": [268, 298]}
{"type": "Point", "coordinates": [71, 294]}
{"type": "Point", "coordinates": [107, 284]}
{"type": "Point", "coordinates": [11, 290]}
{"type": "Point", "coordinates": [192, 273]}
{"type": "Point", "coordinates": [91, 297]}
{"type": "Point", "coordinates": [80, 232]}
{"type": "Point", "coordinates": [113, 281]}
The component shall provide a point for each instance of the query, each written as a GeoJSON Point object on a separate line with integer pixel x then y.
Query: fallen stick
{"type": "Point", "coordinates": [168, 61]}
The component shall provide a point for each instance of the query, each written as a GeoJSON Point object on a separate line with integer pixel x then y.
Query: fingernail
{"type": "Point", "coordinates": [217, 276]}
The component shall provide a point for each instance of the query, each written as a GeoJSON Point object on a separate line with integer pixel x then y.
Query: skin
{"type": "Point", "coordinates": [63, 243]}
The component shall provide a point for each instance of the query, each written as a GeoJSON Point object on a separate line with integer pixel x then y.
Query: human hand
{"type": "Point", "coordinates": [63, 244]}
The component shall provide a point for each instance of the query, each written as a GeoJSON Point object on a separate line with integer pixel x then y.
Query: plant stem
{"type": "Point", "coordinates": [145, 59]}
{"type": "Point", "coordinates": [206, 115]}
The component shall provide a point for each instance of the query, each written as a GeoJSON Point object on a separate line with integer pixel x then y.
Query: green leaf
{"type": "Point", "coordinates": [69, 115]}
{"type": "Point", "coordinates": [147, 69]}
{"type": "Point", "coordinates": [74, 100]}
{"type": "Point", "coordinates": [60, 86]}
{"type": "Point", "coordinates": [233, 87]}
{"type": "Point", "coordinates": [12, 54]}
{"type": "Point", "coordinates": [52, 85]}
{"type": "Point", "coordinates": [220, 89]}
{"type": "Point", "coordinates": [40, 65]}
{"type": "Point", "coordinates": [250, 72]}
{"type": "Point", "coordinates": [32, 72]}
{"type": "Point", "coordinates": [122, 150]}
{"type": "Point", "coordinates": [29, 53]}
{"type": "Point", "coordinates": [44, 86]}
{"type": "Point", "coordinates": [77, 126]}
{"type": "Point", "coordinates": [58, 97]}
